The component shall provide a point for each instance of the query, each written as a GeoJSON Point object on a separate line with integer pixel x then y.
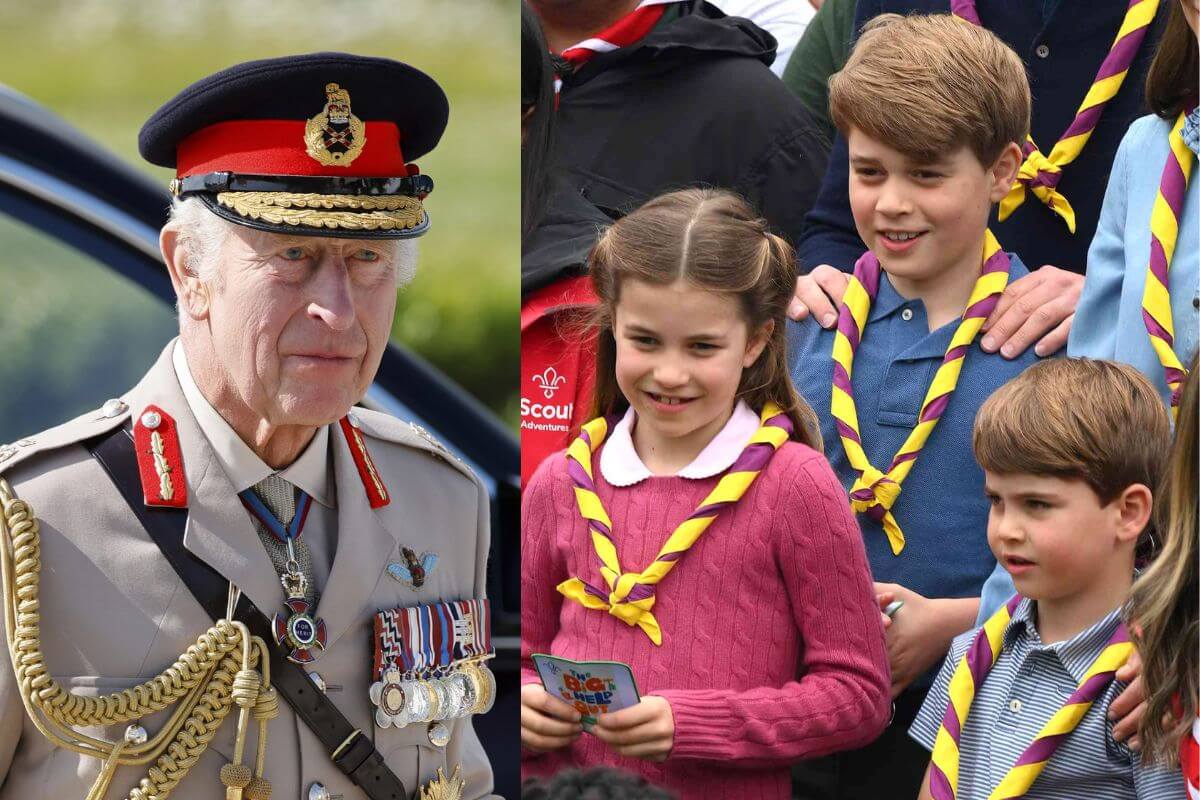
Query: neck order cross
{"type": "Point", "coordinates": [630, 595]}
{"type": "Point", "coordinates": [1039, 173]}
{"type": "Point", "coordinates": [875, 492]}
{"type": "Point", "coordinates": [969, 676]}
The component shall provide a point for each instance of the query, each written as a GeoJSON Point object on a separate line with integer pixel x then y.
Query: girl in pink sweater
{"type": "Point", "coordinates": [694, 531]}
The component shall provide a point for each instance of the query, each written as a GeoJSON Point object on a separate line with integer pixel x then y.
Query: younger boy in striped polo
{"type": "Point", "coordinates": [1070, 450]}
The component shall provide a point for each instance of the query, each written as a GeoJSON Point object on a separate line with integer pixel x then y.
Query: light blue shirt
{"type": "Point", "coordinates": [1108, 321]}
{"type": "Point", "coordinates": [1026, 686]}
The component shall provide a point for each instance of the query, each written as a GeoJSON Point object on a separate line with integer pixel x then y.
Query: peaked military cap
{"type": "Point", "coordinates": [318, 144]}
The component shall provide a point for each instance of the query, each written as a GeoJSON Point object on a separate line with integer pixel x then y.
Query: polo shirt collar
{"type": "Point", "coordinates": [310, 471]}
{"type": "Point", "coordinates": [621, 466]}
{"type": "Point", "coordinates": [932, 344]}
{"type": "Point", "coordinates": [1077, 653]}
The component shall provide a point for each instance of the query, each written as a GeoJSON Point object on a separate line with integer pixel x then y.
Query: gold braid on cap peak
{"type": "Point", "coordinates": [207, 680]}
{"type": "Point", "coordinates": [321, 210]}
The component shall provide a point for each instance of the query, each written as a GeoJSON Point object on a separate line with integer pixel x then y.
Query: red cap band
{"type": "Point", "coordinates": [276, 147]}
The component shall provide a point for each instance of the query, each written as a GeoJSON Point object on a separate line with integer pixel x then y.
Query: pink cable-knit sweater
{"type": "Point", "coordinates": [772, 647]}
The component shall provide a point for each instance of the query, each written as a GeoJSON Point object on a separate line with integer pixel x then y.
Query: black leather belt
{"type": "Point", "coordinates": [349, 749]}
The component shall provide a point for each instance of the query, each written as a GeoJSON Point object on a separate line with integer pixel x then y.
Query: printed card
{"type": "Point", "coordinates": [592, 687]}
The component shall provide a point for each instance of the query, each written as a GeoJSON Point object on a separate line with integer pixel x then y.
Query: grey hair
{"type": "Point", "coordinates": [202, 233]}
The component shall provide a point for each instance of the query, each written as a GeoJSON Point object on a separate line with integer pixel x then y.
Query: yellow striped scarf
{"type": "Point", "coordinates": [964, 684]}
{"type": "Point", "coordinates": [875, 492]}
{"type": "Point", "coordinates": [1039, 173]}
{"type": "Point", "coordinates": [630, 596]}
{"type": "Point", "coordinates": [1164, 230]}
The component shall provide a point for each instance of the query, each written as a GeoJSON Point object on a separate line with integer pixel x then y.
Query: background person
{"type": "Point", "coordinates": [665, 94]}
{"type": "Point", "coordinates": [1162, 611]}
{"type": "Point", "coordinates": [1145, 258]}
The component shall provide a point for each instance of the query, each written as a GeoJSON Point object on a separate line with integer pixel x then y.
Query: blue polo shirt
{"type": "Point", "coordinates": [1026, 686]}
{"type": "Point", "coordinates": [941, 509]}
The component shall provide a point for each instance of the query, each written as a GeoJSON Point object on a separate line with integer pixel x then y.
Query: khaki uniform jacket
{"type": "Point", "coordinates": [114, 613]}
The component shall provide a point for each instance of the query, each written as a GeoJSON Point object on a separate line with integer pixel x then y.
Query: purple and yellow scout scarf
{"type": "Point", "coordinates": [875, 492]}
{"type": "Point", "coordinates": [969, 676]}
{"type": "Point", "coordinates": [630, 595]}
{"type": "Point", "coordinates": [1040, 174]}
{"type": "Point", "coordinates": [1164, 230]}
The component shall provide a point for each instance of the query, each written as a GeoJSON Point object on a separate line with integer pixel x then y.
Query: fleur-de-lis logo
{"type": "Point", "coordinates": [549, 381]}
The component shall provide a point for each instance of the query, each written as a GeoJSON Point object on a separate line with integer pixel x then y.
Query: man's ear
{"type": "Point", "coordinates": [757, 342]}
{"type": "Point", "coordinates": [1003, 172]}
{"type": "Point", "coordinates": [190, 291]}
{"type": "Point", "coordinates": [1134, 505]}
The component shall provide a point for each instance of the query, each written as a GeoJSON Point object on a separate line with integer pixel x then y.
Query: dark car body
{"type": "Point", "coordinates": [58, 182]}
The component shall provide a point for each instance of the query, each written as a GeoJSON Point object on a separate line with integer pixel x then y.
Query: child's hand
{"type": "Point", "coordinates": [646, 730]}
{"type": "Point", "coordinates": [920, 633]}
{"type": "Point", "coordinates": [1127, 708]}
{"type": "Point", "coordinates": [547, 723]}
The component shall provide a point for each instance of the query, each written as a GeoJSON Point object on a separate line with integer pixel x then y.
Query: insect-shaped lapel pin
{"type": "Point", "coordinates": [413, 571]}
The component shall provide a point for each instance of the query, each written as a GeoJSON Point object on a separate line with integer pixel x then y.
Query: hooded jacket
{"type": "Point", "coordinates": [691, 103]}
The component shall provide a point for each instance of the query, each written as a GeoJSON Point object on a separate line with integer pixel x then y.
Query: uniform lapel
{"type": "Point", "coordinates": [219, 531]}
{"type": "Point", "coordinates": [363, 546]}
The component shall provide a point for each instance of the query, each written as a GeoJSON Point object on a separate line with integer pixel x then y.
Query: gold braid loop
{"type": "Point", "coordinates": [205, 680]}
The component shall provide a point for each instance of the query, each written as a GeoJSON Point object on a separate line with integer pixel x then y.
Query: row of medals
{"type": "Point", "coordinates": [404, 698]}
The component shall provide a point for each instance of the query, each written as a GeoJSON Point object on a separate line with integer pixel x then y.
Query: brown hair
{"type": "Point", "coordinates": [1163, 612]}
{"type": "Point", "coordinates": [714, 241]}
{"type": "Point", "coordinates": [1173, 80]}
{"type": "Point", "coordinates": [928, 84]}
{"type": "Point", "coordinates": [1096, 421]}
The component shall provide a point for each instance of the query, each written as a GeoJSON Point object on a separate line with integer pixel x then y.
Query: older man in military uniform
{"type": "Point", "coordinates": [227, 580]}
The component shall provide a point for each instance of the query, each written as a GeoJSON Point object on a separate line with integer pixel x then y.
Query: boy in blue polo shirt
{"type": "Point", "coordinates": [1070, 450]}
{"type": "Point", "coordinates": [933, 110]}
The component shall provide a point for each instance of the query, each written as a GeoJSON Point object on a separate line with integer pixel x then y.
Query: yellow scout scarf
{"type": "Point", "coordinates": [875, 492]}
{"type": "Point", "coordinates": [1040, 174]}
{"type": "Point", "coordinates": [1164, 230]}
{"type": "Point", "coordinates": [968, 677]}
{"type": "Point", "coordinates": [630, 596]}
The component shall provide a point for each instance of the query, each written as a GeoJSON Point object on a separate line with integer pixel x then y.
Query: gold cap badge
{"type": "Point", "coordinates": [335, 137]}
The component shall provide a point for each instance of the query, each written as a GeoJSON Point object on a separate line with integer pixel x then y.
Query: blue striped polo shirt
{"type": "Point", "coordinates": [1029, 682]}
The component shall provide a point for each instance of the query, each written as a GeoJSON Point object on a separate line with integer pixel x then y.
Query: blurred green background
{"type": "Point", "coordinates": [106, 65]}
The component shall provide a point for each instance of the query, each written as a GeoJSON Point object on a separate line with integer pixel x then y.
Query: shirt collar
{"type": "Point", "coordinates": [621, 466]}
{"type": "Point", "coordinates": [310, 471]}
{"type": "Point", "coordinates": [1191, 130]}
{"type": "Point", "coordinates": [1077, 653]}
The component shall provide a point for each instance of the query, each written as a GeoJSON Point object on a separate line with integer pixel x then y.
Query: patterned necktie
{"type": "Point", "coordinates": [280, 497]}
{"type": "Point", "coordinates": [1164, 230]}
{"type": "Point", "coordinates": [1040, 173]}
{"type": "Point", "coordinates": [969, 676]}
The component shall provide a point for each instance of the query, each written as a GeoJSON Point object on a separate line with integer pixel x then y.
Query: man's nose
{"type": "Point", "coordinates": [332, 301]}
